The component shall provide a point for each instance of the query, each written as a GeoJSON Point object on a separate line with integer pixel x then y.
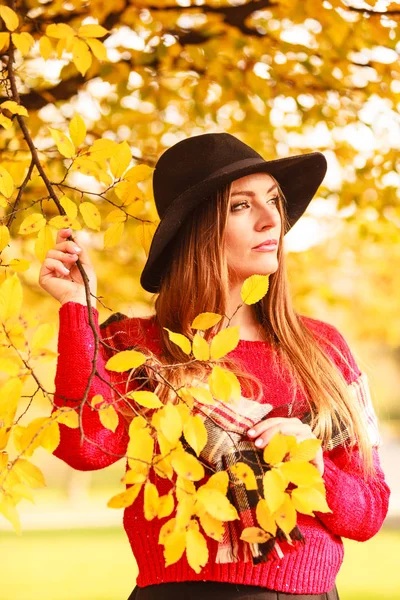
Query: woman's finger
{"type": "Point", "coordinates": [63, 234]}
{"type": "Point", "coordinates": [297, 429]}
{"type": "Point", "coordinates": [265, 424]}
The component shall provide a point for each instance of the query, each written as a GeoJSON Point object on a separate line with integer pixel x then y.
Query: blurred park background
{"type": "Point", "coordinates": [284, 76]}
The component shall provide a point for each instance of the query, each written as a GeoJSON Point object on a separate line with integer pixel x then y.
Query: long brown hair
{"type": "Point", "coordinates": [197, 280]}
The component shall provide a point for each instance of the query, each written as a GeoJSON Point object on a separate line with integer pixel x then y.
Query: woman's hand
{"type": "Point", "coordinates": [263, 431]}
{"type": "Point", "coordinates": [60, 276]}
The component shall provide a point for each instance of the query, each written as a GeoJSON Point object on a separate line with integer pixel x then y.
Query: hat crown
{"type": "Point", "coordinates": [191, 161]}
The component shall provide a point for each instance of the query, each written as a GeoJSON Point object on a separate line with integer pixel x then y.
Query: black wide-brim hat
{"type": "Point", "coordinates": [188, 172]}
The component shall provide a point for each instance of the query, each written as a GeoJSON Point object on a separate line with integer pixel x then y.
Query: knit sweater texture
{"type": "Point", "coordinates": [358, 506]}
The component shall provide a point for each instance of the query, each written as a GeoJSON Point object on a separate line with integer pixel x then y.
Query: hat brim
{"type": "Point", "coordinates": [298, 176]}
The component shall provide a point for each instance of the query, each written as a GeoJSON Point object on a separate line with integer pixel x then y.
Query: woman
{"type": "Point", "coordinates": [224, 211]}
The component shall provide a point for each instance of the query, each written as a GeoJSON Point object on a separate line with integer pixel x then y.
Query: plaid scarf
{"type": "Point", "coordinates": [228, 443]}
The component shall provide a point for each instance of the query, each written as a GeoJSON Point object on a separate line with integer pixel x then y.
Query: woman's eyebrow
{"type": "Point", "coordinates": [250, 193]}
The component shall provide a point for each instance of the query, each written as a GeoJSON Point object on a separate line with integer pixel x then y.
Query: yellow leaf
{"type": "Point", "coordinates": [216, 504]}
{"type": "Point", "coordinates": [44, 242]}
{"type": "Point", "coordinates": [225, 341]}
{"type": "Point", "coordinates": [166, 530]}
{"type": "Point", "coordinates": [125, 360]}
{"type": "Point", "coordinates": [11, 366]}
{"type": "Point", "coordinates": [144, 233]}
{"type": "Point", "coordinates": [126, 498]}
{"type": "Point", "coordinates": [4, 42]}
{"type": "Point", "coordinates": [166, 505]}
{"type": "Point", "coordinates": [140, 450]}
{"type": "Point", "coordinates": [151, 501]}
{"type": "Point", "coordinates": [3, 461]}
{"type": "Point", "coordinates": [97, 399]}
{"type": "Point", "coordinates": [195, 433]}
{"type": "Point", "coordinates": [98, 49]}
{"type": "Point", "coordinates": [43, 335]}
{"type": "Point", "coordinates": [6, 183]}
{"type": "Point", "coordinates": [10, 297]}
{"type": "Point", "coordinates": [180, 340]}
{"type": "Point", "coordinates": [70, 208]}
{"type": "Point", "coordinates": [10, 394]}
{"type": "Point", "coordinates": [9, 17]}
{"type": "Point", "coordinates": [218, 481]}
{"type": "Point", "coordinates": [81, 56]}
{"type": "Point", "coordinates": [196, 550]}
{"type": "Point", "coordinates": [109, 417]}
{"type": "Point", "coordinates": [212, 527]}
{"type": "Point", "coordinates": [265, 518]}
{"type": "Point", "coordinates": [59, 30]}
{"type": "Point", "coordinates": [101, 149]}
{"type": "Point", "coordinates": [23, 41]}
{"type": "Point", "coordinates": [276, 449]}
{"type": "Point", "coordinates": [33, 222]}
{"type": "Point", "coordinates": [50, 437]}
{"type": "Point", "coordinates": [171, 423]}
{"type": "Point", "coordinates": [274, 489]}
{"type": "Point", "coordinates": [305, 450]}
{"type": "Point", "coordinates": [92, 30]}
{"type": "Point", "coordinates": [61, 222]}
{"type": "Point", "coordinates": [61, 46]}
{"type": "Point", "coordinates": [187, 466]}
{"type": "Point", "coordinates": [29, 473]}
{"type": "Point", "coordinates": [120, 160]}
{"type": "Point", "coordinates": [4, 237]}
{"type": "Point", "coordinates": [201, 394]}
{"type": "Point", "coordinates": [285, 516]}
{"type": "Point", "coordinates": [113, 234]}
{"type": "Point", "coordinates": [5, 430]}
{"type": "Point", "coordinates": [19, 264]}
{"type": "Point", "coordinates": [133, 477]}
{"type": "Point", "coordinates": [224, 384]}
{"type": "Point", "coordinates": [19, 491]}
{"type": "Point", "coordinates": [201, 349]}
{"type": "Point", "coordinates": [308, 499]}
{"type": "Point", "coordinates": [139, 173]}
{"type": "Point", "coordinates": [77, 130]}
{"type": "Point", "coordinates": [163, 468]}
{"type": "Point", "coordinates": [205, 320]}
{"type": "Point", "coordinates": [7, 508]}
{"type": "Point", "coordinates": [174, 547]}
{"type": "Point", "coordinates": [254, 288]}
{"type": "Point", "coordinates": [45, 47]}
{"type": "Point", "coordinates": [128, 192]}
{"type": "Point", "coordinates": [7, 124]}
{"type": "Point", "coordinates": [63, 143]}
{"type": "Point", "coordinates": [184, 488]}
{"type": "Point", "coordinates": [14, 108]}
{"type": "Point", "coordinates": [91, 215]}
{"type": "Point", "coordinates": [254, 535]}
{"type": "Point", "coordinates": [116, 216]}
{"type": "Point", "coordinates": [245, 474]}
{"type": "Point", "coordinates": [146, 398]}
{"type": "Point", "coordinates": [184, 511]}
{"type": "Point", "coordinates": [300, 473]}
{"type": "Point", "coordinates": [67, 417]}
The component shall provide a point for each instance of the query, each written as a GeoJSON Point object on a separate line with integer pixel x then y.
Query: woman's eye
{"type": "Point", "coordinates": [275, 199]}
{"type": "Point", "coordinates": [236, 205]}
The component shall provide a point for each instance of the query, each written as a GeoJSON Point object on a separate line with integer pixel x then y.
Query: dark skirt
{"type": "Point", "coordinates": [215, 590]}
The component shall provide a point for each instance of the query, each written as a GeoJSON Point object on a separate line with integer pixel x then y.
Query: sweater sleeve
{"type": "Point", "coordinates": [74, 364]}
{"type": "Point", "coordinates": [359, 506]}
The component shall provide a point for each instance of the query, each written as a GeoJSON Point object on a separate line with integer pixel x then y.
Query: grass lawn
{"type": "Point", "coordinates": [98, 565]}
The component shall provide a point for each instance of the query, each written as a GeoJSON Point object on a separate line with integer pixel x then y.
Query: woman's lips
{"type": "Point", "coordinates": [266, 247]}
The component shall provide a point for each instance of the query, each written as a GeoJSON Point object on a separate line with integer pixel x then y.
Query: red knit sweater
{"type": "Point", "coordinates": [358, 508]}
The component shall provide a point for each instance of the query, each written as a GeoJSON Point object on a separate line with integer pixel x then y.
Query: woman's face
{"type": "Point", "coordinates": [253, 217]}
